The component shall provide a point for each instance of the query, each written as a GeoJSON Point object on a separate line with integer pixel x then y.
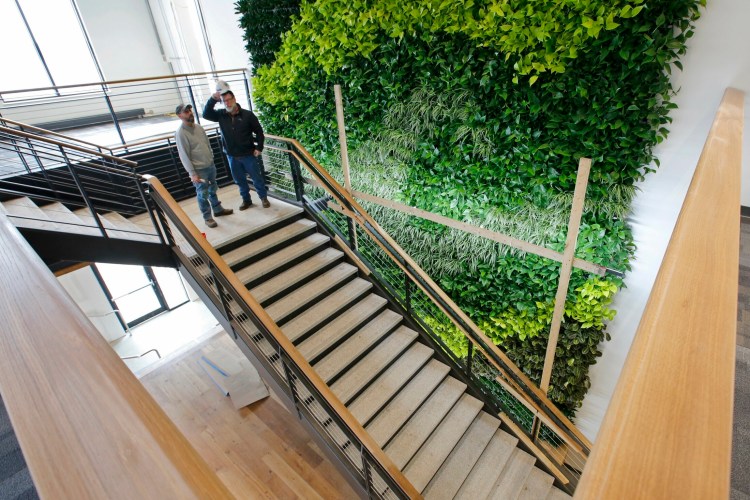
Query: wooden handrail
{"type": "Point", "coordinates": [86, 425]}
{"type": "Point", "coordinates": [50, 132]}
{"type": "Point", "coordinates": [281, 339]}
{"type": "Point", "coordinates": [504, 239]}
{"type": "Point", "coordinates": [361, 217]}
{"type": "Point", "coordinates": [92, 152]}
{"type": "Point", "coordinates": [116, 82]}
{"type": "Point", "coordinates": [668, 429]}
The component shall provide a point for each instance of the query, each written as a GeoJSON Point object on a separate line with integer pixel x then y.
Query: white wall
{"type": "Point", "coordinates": [85, 290]}
{"type": "Point", "coordinates": [716, 59]}
{"type": "Point", "coordinates": [124, 38]}
{"type": "Point", "coordinates": [225, 34]}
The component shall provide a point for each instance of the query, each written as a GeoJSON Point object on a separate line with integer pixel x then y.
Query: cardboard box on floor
{"type": "Point", "coordinates": [231, 371]}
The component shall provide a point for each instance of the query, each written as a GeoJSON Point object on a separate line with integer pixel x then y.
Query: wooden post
{"type": "Point", "coordinates": [342, 138]}
{"type": "Point", "coordinates": [584, 167]}
{"type": "Point", "coordinates": [344, 155]}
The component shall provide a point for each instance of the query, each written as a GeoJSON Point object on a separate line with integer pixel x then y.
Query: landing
{"type": "Point", "coordinates": [232, 226]}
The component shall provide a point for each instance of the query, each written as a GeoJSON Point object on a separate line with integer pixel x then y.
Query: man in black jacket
{"type": "Point", "coordinates": [241, 130]}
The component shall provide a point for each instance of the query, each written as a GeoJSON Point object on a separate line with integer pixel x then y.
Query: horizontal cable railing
{"type": "Point", "coordinates": [118, 112]}
{"type": "Point", "coordinates": [312, 398]}
{"type": "Point", "coordinates": [49, 170]}
{"type": "Point", "coordinates": [668, 429]}
{"type": "Point", "coordinates": [296, 176]}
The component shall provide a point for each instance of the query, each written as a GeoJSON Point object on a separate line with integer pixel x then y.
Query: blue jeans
{"type": "Point", "coordinates": [240, 166]}
{"type": "Point", "coordinates": [206, 191]}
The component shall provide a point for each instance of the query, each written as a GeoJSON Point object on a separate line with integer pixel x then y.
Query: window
{"type": "Point", "coordinates": [61, 41]}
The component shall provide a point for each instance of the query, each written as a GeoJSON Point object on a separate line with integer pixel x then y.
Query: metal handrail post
{"type": "Point", "coordinates": [149, 208]}
{"type": "Point", "coordinates": [20, 154]}
{"type": "Point", "coordinates": [113, 114]}
{"type": "Point", "coordinates": [192, 99]}
{"type": "Point", "coordinates": [84, 195]}
{"type": "Point", "coordinates": [299, 189]}
{"type": "Point", "coordinates": [179, 171]}
{"type": "Point", "coordinates": [247, 90]}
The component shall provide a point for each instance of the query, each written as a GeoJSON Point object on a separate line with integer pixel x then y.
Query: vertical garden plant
{"type": "Point", "coordinates": [479, 111]}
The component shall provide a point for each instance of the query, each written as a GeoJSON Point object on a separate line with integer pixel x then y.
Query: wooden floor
{"type": "Point", "coordinates": [260, 451]}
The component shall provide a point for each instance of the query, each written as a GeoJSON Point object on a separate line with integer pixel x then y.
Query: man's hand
{"type": "Point", "coordinates": [256, 152]}
{"type": "Point", "coordinates": [196, 178]}
{"type": "Point", "coordinates": [216, 96]}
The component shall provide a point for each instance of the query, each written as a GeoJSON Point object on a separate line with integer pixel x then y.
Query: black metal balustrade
{"type": "Point", "coordinates": [263, 339]}
{"type": "Point", "coordinates": [297, 178]}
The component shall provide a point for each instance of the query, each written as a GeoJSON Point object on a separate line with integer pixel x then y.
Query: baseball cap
{"type": "Point", "coordinates": [222, 87]}
{"type": "Point", "coordinates": [182, 107]}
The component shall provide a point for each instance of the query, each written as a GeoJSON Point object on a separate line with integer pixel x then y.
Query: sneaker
{"type": "Point", "coordinates": [223, 211]}
{"type": "Point", "coordinates": [246, 204]}
{"type": "Point", "coordinates": [211, 223]}
{"type": "Point", "coordinates": [266, 203]}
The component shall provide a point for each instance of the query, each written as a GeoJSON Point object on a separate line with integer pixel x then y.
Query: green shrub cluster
{"type": "Point", "coordinates": [480, 111]}
{"type": "Point", "coordinates": [263, 23]}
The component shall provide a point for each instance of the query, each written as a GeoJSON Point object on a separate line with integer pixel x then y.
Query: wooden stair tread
{"type": "Point", "coordinates": [409, 399]}
{"type": "Point", "coordinates": [115, 228]}
{"type": "Point", "coordinates": [23, 212]}
{"type": "Point", "coordinates": [268, 241]}
{"type": "Point", "coordinates": [423, 466]}
{"type": "Point", "coordinates": [297, 274]}
{"type": "Point", "coordinates": [305, 294]}
{"type": "Point", "coordinates": [125, 229]}
{"type": "Point", "coordinates": [321, 313]}
{"type": "Point", "coordinates": [345, 323]}
{"type": "Point", "coordinates": [556, 494]}
{"type": "Point", "coordinates": [454, 471]}
{"type": "Point", "coordinates": [487, 469]}
{"type": "Point", "coordinates": [537, 485]}
{"type": "Point", "coordinates": [279, 220]}
{"type": "Point", "coordinates": [278, 259]}
{"type": "Point", "coordinates": [58, 211]}
{"type": "Point", "coordinates": [357, 377]}
{"type": "Point", "coordinates": [421, 424]}
{"type": "Point", "coordinates": [389, 383]}
{"type": "Point", "coordinates": [361, 342]}
{"type": "Point", "coordinates": [514, 475]}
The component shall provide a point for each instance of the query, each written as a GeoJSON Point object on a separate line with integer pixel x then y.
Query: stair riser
{"type": "Point", "coordinates": [375, 375]}
{"type": "Point", "coordinates": [270, 251]}
{"type": "Point", "coordinates": [312, 301]}
{"type": "Point", "coordinates": [359, 358]}
{"type": "Point", "coordinates": [285, 266]}
{"type": "Point", "coordinates": [318, 272]}
{"type": "Point", "coordinates": [332, 317]}
{"type": "Point", "coordinates": [416, 368]}
{"type": "Point", "coordinates": [320, 356]}
{"type": "Point", "coordinates": [232, 245]}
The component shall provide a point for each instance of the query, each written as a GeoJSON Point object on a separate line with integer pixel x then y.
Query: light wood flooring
{"type": "Point", "coordinates": [260, 451]}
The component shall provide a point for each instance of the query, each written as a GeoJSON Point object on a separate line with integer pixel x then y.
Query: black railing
{"type": "Point", "coordinates": [280, 360]}
{"type": "Point", "coordinates": [296, 177]}
{"type": "Point", "coordinates": [49, 170]}
{"type": "Point", "coordinates": [118, 112]}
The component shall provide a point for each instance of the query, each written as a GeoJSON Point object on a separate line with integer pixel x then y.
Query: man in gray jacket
{"type": "Point", "coordinates": [198, 159]}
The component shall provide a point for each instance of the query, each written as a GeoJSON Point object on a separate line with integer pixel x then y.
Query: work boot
{"type": "Point", "coordinates": [223, 212]}
{"type": "Point", "coordinates": [246, 204]}
{"type": "Point", "coordinates": [266, 203]}
{"type": "Point", "coordinates": [211, 223]}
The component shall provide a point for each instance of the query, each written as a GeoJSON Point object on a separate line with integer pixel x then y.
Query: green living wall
{"type": "Point", "coordinates": [480, 111]}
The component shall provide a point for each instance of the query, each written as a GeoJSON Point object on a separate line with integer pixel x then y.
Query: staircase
{"type": "Point", "coordinates": [424, 419]}
{"type": "Point", "coordinates": [417, 412]}
{"type": "Point", "coordinates": [26, 214]}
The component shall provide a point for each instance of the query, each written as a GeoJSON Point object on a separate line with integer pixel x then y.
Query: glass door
{"type": "Point", "coordinates": [140, 293]}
